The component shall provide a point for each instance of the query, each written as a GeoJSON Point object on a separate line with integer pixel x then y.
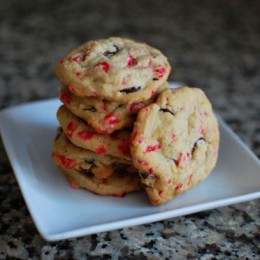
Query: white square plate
{"type": "Point", "coordinates": [61, 212]}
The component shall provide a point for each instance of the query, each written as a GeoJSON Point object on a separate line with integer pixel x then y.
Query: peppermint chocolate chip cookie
{"type": "Point", "coordinates": [103, 175]}
{"type": "Point", "coordinates": [175, 143]}
{"type": "Point", "coordinates": [82, 135]}
{"type": "Point", "coordinates": [103, 115]}
{"type": "Point", "coordinates": [115, 69]}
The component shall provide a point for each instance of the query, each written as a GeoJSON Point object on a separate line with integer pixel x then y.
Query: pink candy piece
{"type": "Point", "coordinates": [65, 98]}
{"type": "Point", "coordinates": [189, 180]}
{"type": "Point", "coordinates": [142, 162]}
{"type": "Point", "coordinates": [74, 185]}
{"type": "Point", "coordinates": [77, 58]}
{"type": "Point", "coordinates": [111, 119]}
{"type": "Point", "coordinates": [131, 61]}
{"type": "Point", "coordinates": [105, 66]}
{"type": "Point", "coordinates": [179, 186]}
{"type": "Point", "coordinates": [150, 170]}
{"type": "Point", "coordinates": [135, 138]}
{"type": "Point", "coordinates": [85, 135]}
{"type": "Point", "coordinates": [134, 107]}
{"type": "Point", "coordinates": [72, 88]}
{"type": "Point", "coordinates": [152, 148]}
{"type": "Point", "coordinates": [66, 162]}
{"type": "Point", "coordinates": [71, 127]}
{"type": "Point", "coordinates": [101, 150]}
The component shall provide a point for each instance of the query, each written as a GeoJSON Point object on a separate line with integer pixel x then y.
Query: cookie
{"type": "Point", "coordinates": [103, 175]}
{"type": "Point", "coordinates": [103, 115]}
{"type": "Point", "coordinates": [115, 69]}
{"type": "Point", "coordinates": [117, 184]}
{"type": "Point", "coordinates": [175, 143]}
{"type": "Point", "coordinates": [82, 135]}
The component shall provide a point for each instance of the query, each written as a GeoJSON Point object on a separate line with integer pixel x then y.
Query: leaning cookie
{"type": "Point", "coordinates": [116, 69]}
{"type": "Point", "coordinates": [103, 175]}
{"type": "Point", "coordinates": [82, 135]}
{"type": "Point", "coordinates": [175, 143]}
{"type": "Point", "coordinates": [103, 115]}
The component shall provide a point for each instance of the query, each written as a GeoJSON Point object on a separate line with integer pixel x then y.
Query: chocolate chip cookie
{"type": "Point", "coordinates": [175, 143]}
{"type": "Point", "coordinates": [103, 115]}
{"type": "Point", "coordinates": [101, 174]}
{"type": "Point", "coordinates": [116, 69]}
{"type": "Point", "coordinates": [82, 135]}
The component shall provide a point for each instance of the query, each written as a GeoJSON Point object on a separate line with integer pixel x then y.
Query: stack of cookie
{"type": "Point", "coordinates": [123, 128]}
{"type": "Point", "coordinates": [104, 84]}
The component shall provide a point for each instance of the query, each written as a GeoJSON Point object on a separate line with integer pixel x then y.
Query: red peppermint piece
{"type": "Point", "coordinates": [72, 88]}
{"type": "Point", "coordinates": [65, 98]}
{"type": "Point", "coordinates": [142, 162]}
{"type": "Point", "coordinates": [71, 127]}
{"type": "Point", "coordinates": [134, 107]}
{"type": "Point", "coordinates": [135, 138]}
{"type": "Point", "coordinates": [161, 192]}
{"type": "Point", "coordinates": [66, 162]}
{"type": "Point", "coordinates": [189, 179]}
{"type": "Point", "coordinates": [153, 93]}
{"type": "Point", "coordinates": [85, 135]}
{"type": "Point", "coordinates": [111, 119]}
{"type": "Point", "coordinates": [101, 150]}
{"type": "Point", "coordinates": [103, 107]}
{"type": "Point", "coordinates": [77, 58]}
{"type": "Point", "coordinates": [74, 185]}
{"type": "Point", "coordinates": [131, 61]}
{"type": "Point", "coordinates": [173, 136]}
{"type": "Point", "coordinates": [77, 74]}
{"type": "Point", "coordinates": [179, 186]}
{"type": "Point", "coordinates": [152, 148]}
{"type": "Point", "coordinates": [161, 72]}
{"type": "Point", "coordinates": [150, 170]}
{"type": "Point", "coordinates": [105, 66]}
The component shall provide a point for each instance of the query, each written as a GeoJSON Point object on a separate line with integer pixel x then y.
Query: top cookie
{"type": "Point", "coordinates": [175, 143]}
{"type": "Point", "coordinates": [116, 69]}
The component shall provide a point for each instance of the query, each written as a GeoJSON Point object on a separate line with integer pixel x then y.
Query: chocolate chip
{"type": "Point", "coordinates": [148, 179]}
{"type": "Point", "coordinates": [109, 54]}
{"type": "Point", "coordinates": [196, 143]}
{"type": "Point", "coordinates": [166, 110]}
{"type": "Point", "coordinates": [130, 90]}
{"type": "Point", "coordinates": [87, 172]}
{"type": "Point", "coordinates": [155, 79]}
{"type": "Point", "coordinates": [90, 109]}
{"type": "Point", "coordinates": [120, 167]}
{"type": "Point", "coordinates": [90, 161]}
{"type": "Point", "coordinates": [146, 175]}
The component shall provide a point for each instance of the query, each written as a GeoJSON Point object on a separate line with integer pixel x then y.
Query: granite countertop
{"type": "Point", "coordinates": [213, 45]}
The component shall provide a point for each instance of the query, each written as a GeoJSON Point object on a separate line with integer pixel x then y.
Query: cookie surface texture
{"type": "Point", "coordinates": [102, 175]}
{"type": "Point", "coordinates": [116, 69]}
{"type": "Point", "coordinates": [69, 156]}
{"type": "Point", "coordinates": [175, 143]}
{"type": "Point", "coordinates": [82, 135]}
{"type": "Point", "coordinates": [103, 115]}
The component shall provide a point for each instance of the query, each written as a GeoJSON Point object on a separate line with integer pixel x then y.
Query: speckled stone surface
{"type": "Point", "coordinates": [214, 45]}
